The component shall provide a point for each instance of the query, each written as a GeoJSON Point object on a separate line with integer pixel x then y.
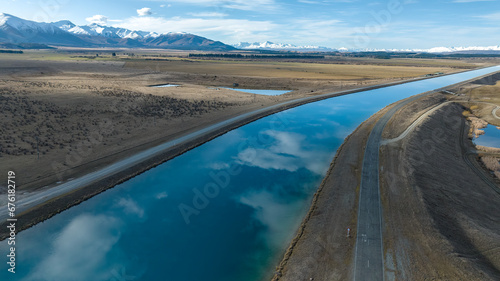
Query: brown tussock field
{"type": "Point", "coordinates": [290, 70]}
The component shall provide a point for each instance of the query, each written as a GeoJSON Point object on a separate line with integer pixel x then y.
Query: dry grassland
{"type": "Point", "coordinates": [486, 93]}
{"type": "Point", "coordinates": [290, 70]}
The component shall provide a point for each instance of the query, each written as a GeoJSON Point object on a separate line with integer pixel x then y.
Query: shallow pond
{"type": "Point", "coordinates": [165, 86]}
{"type": "Point", "coordinates": [261, 92]}
{"type": "Point", "coordinates": [491, 137]}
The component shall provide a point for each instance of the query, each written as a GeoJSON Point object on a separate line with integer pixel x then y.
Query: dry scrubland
{"type": "Point", "coordinates": [290, 70]}
{"type": "Point", "coordinates": [78, 112]}
{"type": "Point", "coordinates": [302, 77]}
{"type": "Point", "coordinates": [84, 112]}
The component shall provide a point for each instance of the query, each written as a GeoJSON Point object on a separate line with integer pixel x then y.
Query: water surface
{"type": "Point", "coordinates": [225, 210]}
{"type": "Point", "coordinates": [491, 137]}
{"type": "Point", "coordinates": [261, 92]}
{"type": "Point", "coordinates": [165, 86]}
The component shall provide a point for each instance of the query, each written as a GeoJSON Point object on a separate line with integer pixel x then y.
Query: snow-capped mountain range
{"type": "Point", "coordinates": [64, 33]}
{"type": "Point", "coordinates": [267, 45]}
{"type": "Point", "coordinates": [95, 29]}
{"type": "Point", "coordinates": [456, 49]}
{"type": "Point", "coordinates": [14, 30]}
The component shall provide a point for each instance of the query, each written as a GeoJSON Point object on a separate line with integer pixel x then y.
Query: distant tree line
{"type": "Point", "coordinates": [30, 46]}
{"type": "Point", "coordinates": [11, 52]}
{"type": "Point", "coordinates": [241, 56]}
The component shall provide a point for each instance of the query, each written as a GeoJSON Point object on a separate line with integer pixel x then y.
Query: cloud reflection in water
{"type": "Point", "coordinates": [274, 214]}
{"type": "Point", "coordinates": [81, 249]}
{"type": "Point", "coordinates": [289, 152]}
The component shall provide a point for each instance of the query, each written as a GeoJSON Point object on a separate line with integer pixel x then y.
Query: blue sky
{"type": "Point", "coordinates": [330, 23]}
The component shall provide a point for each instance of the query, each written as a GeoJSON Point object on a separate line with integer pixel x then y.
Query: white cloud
{"type": "Point", "coordinates": [144, 12]}
{"type": "Point", "coordinates": [254, 5]}
{"type": "Point", "coordinates": [99, 19]}
{"type": "Point", "coordinates": [426, 35]}
{"type": "Point", "coordinates": [275, 214]}
{"type": "Point", "coordinates": [491, 17]}
{"type": "Point", "coordinates": [204, 15]}
{"type": "Point", "coordinates": [130, 207]}
{"type": "Point", "coordinates": [323, 31]}
{"type": "Point", "coordinates": [310, 2]}
{"type": "Point", "coordinates": [289, 152]}
{"type": "Point", "coordinates": [161, 195]}
{"type": "Point", "coordinates": [80, 250]}
{"type": "Point", "coordinates": [470, 1]}
{"type": "Point", "coordinates": [218, 166]}
{"type": "Point", "coordinates": [314, 31]}
{"type": "Point", "coordinates": [265, 159]}
{"type": "Point", "coordinates": [219, 29]}
{"type": "Point", "coordinates": [315, 24]}
{"type": "Point", "coordinates": [230, 30]}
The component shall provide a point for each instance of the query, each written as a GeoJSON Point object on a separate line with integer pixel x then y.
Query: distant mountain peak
{"type": "Point", "coordinates": [26, 25]}
{"type": "Point", "coordinates": [4, 17]}
{"type": "Point", "coordinates": [63, 23]}
{"type": "Point", "coordinates": [18, 23]}
{"type": "Point", "coordinates": [268, 45]}
{"type": "Point", "coordinates": [14, 30]}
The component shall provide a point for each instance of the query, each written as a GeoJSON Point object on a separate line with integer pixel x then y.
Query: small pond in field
{"type": "Point", "coordinates": [165, 86]}
{"type": "Point", "coordinates": [491, 137]}
{"type": "Point", "coordinates": [261, 92]}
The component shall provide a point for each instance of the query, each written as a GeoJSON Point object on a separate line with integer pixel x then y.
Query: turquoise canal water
{"type": "Point", "coordinates": [225, 210]}
{"type": "Point", "coordinates": [491, 137]}
{"type": "Point", "coordinates": [261, 92]}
